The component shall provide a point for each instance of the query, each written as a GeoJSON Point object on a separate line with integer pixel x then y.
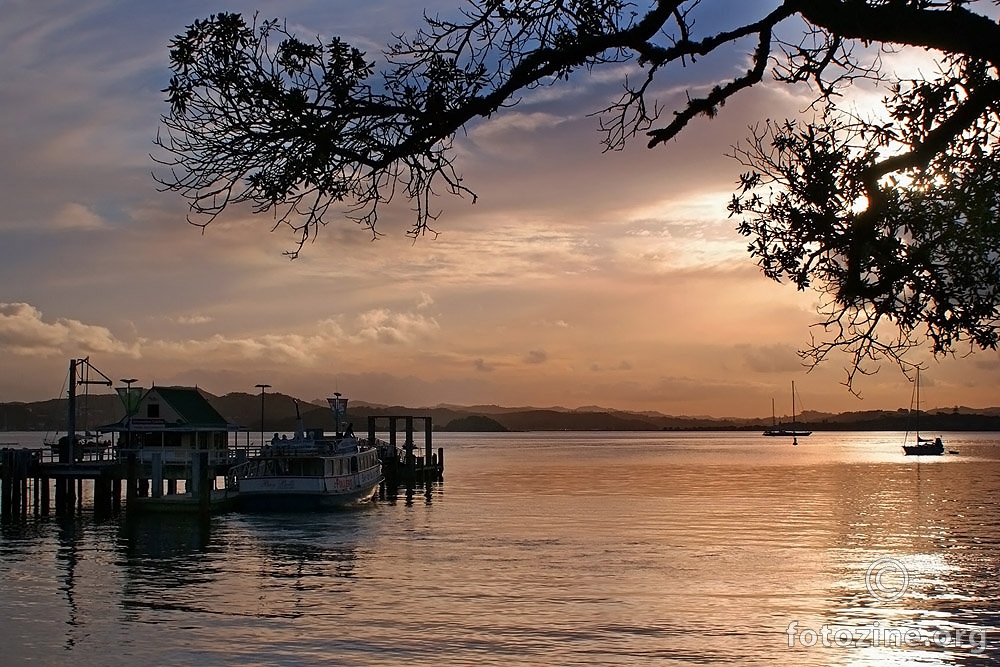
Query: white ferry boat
{"type": "Point", "coordinates": [310, 471]}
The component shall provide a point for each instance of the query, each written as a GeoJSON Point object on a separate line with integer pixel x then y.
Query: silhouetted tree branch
{"type": "Point", "coordinates": [892, 218]}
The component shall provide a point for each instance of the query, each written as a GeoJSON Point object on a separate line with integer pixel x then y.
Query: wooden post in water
{"type": "Point", "coordinates": [70, 495]}
{"type": "Point", "coordinates": [194, 481]}
{"type": "Point", "coordinates": [130, 481]}
{"type": "Point", "coordinates": [157, 474]}
{"type": "Point", "coordinates": [15, 496]}
{"type": "Point", "coordinates": [45, 482]}
{"type": "Point", "coordinates": [428, 430]}
{"type": "Point", "coordinates": [205, 499]}
{"type": "Point", "coordinates": [60, 496]}
{"type": "Point", "coordinates": [5, 484]}
{"type": "Point", "coordinates": [116, 492]}
{"type": "Point", "coordinates": [25, 491]}
{"type": "Point", "coordinates": [408, 444]}
{"type": "Point", "coordinates": [102, 496]}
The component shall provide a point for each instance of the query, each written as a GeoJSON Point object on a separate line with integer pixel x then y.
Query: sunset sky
{"type": "Point", "coordinates": [577, 279]}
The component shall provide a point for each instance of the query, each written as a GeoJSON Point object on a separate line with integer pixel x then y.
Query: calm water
{"type": "Point", "coordinates": [549, 549]}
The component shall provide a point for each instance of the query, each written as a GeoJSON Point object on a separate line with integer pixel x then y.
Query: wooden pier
{"type": "Point", "coordinates": [138, 480]}
{"type": "Point", "coordinates": [403, 464]}
{"type": "Point", "coordinates": [28, 478]}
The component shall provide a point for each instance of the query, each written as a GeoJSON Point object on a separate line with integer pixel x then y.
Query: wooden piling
{"type": "Point", "coordinates": [6, 484]}
{"type": "Point", "coordinates": [205, 485]}
{"type": "Point", "coordinates": [131, 482]}
{"type": "Point", "coordinates": [45, 482]}
{"type": "Point", "coordinates": [428, 431]}
{"type": "Point", "coordinates": [25, 494]}
{"type": "Point", "coordinates": [70, 496]}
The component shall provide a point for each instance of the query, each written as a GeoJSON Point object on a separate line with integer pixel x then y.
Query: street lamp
{"type": "Point", "coordinates": [262, 387]}
{"type": "Point", "coordinates": [128, 409]}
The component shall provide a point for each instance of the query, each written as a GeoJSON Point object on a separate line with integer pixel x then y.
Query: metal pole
{"type": "Point", "coordinates": [262, 387]}
{"type": "Point", "coordinates": [128, 410]}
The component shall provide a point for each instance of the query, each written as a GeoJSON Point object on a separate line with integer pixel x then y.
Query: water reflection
{"type": "Point", "coordinates": [389, 493]}
{"type": "Point", "coordinates": [547, 549]}
{"type": "Point", "coordinates": [932, 531]}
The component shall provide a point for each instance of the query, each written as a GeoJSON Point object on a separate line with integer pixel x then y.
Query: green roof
{"type": "Point", "coordinates": [191, 406]}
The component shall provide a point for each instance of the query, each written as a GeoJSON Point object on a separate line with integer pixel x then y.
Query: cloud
{"type": "Point", "coordinates": [192, 319]}
{"type": "Point", "coordinates": [384, 326]}
{"type": "Point", "coordinates": [536, 357]}
{"type": "Point", "coordinates": [425, 301]}
{"type": "Point", "coordinates": [23, 332]}
{"type": "Point", "coordinates": [771, 358]}
{"type": "Point", "coordinates": [294, 349]}
{"type": "Point", "coordinates": [77, 216]}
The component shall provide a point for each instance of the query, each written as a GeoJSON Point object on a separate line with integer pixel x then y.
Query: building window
{"type": "Point", "coordinates": [153, 411]}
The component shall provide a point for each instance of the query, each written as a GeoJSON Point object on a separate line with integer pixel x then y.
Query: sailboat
{"type": "Point", "coordinates": [778, 429]}
{"type": "Point", "coordinates": [922, 446]}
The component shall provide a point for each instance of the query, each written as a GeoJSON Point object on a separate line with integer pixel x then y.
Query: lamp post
{"type": "Point", "coordinates": [128, 410]}
{"type": "Point", "coordinates": [262, 387]}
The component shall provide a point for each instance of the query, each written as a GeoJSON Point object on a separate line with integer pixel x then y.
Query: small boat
{"type": "Point", "coordinates": [779, 429]}
{"type": "Point", "coordinates": [85, 443]}
{"type": "Point", "coordinates": [925, 447]}
{"type": "Point", "coordinates": [922, 446]}
{"type": "Point", "coordinates": [310, 471]}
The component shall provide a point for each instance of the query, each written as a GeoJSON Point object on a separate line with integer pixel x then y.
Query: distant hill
{"type": "Point", "coordinates": [475, 424]}
{"type": "Point", "coordinates": [244, 409]}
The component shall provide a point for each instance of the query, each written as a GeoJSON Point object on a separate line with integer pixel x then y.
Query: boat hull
{"type": "Point", "coordinates": [928, 449]}
{"type": "Point", "coordinates": [289, 495]}
{"type": "Point", "coordinates": [786, 433]}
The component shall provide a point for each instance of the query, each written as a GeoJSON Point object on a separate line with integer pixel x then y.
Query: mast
{"type": "Point", "coordinates": [71, 420]}
{"type": "Point", "coordinates": [79, 373]}
{"type": "Point", "coordinates": [793, 404]}
{"type": "Point", "coordinates": [339, 407]}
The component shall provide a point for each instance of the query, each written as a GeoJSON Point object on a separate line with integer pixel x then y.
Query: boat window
{"type": "Point", "coordinates": [354, 464]}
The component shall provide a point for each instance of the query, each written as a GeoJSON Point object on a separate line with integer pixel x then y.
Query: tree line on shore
{"type": "Point", "coordinates": [244, 409]}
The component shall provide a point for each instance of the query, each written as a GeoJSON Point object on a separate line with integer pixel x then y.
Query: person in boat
{"type": "Point", "coordinates": [349, 433]}
{"type": "Point", "coordinates": [938, 443]}
{"type": "Point", "coordinates": [274, 440]}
